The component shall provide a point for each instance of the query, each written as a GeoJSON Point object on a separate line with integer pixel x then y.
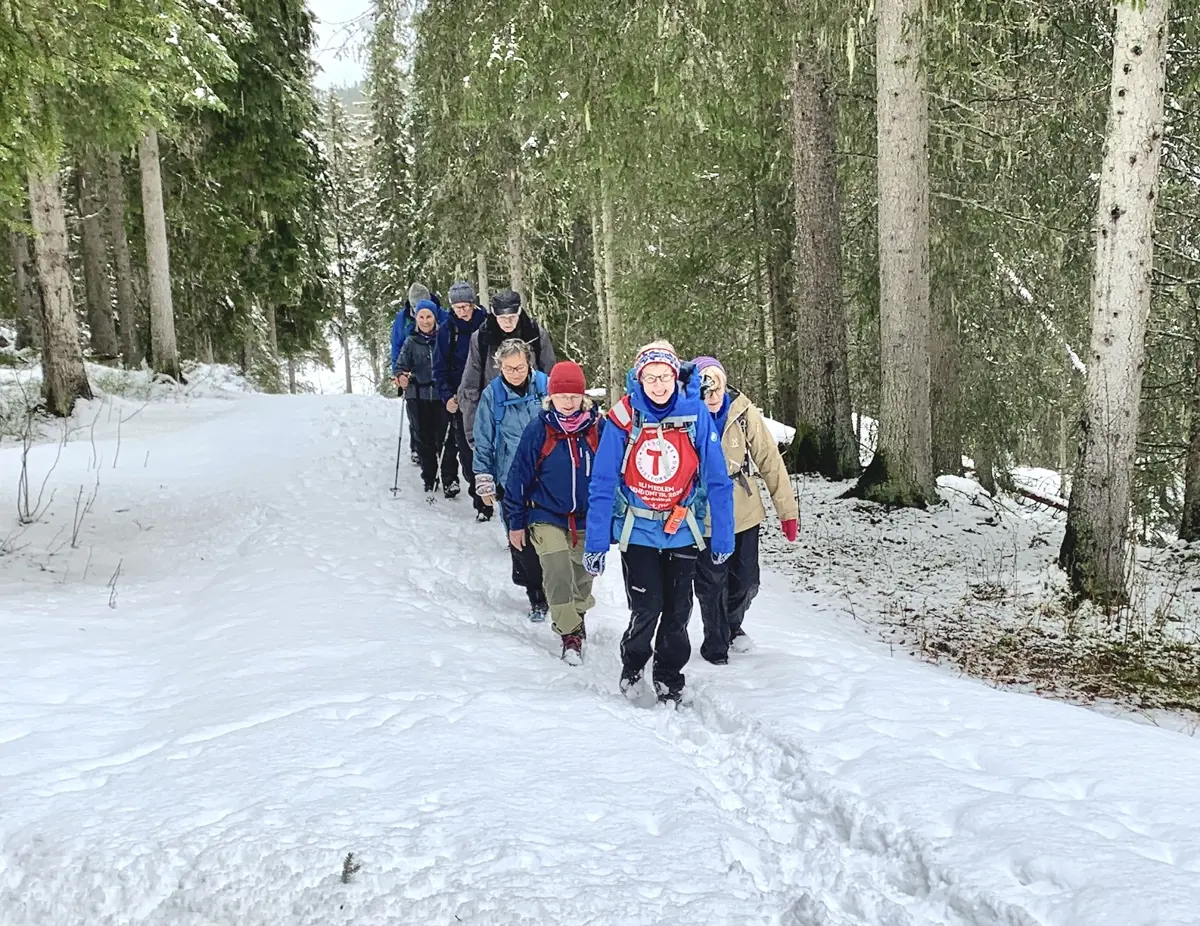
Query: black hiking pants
{"type": "Point", "coordinates": [433, 422]}
{"type": "Point", "coordinates": [658, 586]}
{"type": "Point", "coordinates": [414, 438]}
{"type": "Point", "coordinates": [460, 452]}
{"type": "Point", "coordinates": [526, 565]}
{"type": "Point", "coordinates": [725, 592]}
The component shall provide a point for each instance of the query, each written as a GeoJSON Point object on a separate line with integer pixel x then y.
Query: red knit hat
{"type": "Point", "coordinates": [566, 379]}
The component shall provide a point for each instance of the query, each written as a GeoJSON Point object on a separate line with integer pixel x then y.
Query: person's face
{"type": "Point", "coordinates": [566, 403]}
{"type": "Point", "coordinates": [658, 379]}
{"type": "Point", "coordinates": [425, 321]}
{"type": "Point", "coordinates": [463, 310]}
{"type": "Point", "coordinates": [508, 323]}
{"type": "Point", "coordinates": [715, 394]}
{"type": "Point", "coordinates": [514, 369]}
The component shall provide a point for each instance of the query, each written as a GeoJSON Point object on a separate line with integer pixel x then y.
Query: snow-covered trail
{"type": "Point", "coordinates": [298, 666]}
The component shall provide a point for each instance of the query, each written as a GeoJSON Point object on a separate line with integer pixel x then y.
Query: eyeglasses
{"type": "Point", "coordinates": [649, 378]}
{"type": "Point", "coordinates": [515, 371]}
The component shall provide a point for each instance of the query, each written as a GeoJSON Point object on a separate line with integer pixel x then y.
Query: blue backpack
{"type": "Point", "coordinates": [538, 386]}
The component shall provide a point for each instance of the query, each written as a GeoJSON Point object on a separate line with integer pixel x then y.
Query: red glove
{"type": "Point", "coordinates": [790, 527]}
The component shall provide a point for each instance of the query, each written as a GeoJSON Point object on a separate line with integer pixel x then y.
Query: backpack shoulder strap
{"type": "Point", "coordinates": [550, 440]}
{"type": "Point", "coordinates": [499, 399]}
{"type": "Point", "coordinates": [621, 414]}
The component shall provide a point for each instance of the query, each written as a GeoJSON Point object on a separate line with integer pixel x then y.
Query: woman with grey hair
{"type": "Point", "coordinates": [506, 405]}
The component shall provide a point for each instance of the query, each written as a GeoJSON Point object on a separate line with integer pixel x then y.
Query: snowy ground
{"type": "Point", "coordinates": [247, 660]}
{"type": "Point", "coordinates": [973, 583]}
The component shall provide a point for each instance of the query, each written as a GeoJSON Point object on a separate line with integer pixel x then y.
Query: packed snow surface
{"type": "Point", "coordinates": [248, 660]}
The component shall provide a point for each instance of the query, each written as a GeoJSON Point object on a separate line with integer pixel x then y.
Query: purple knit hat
{"type": "Point", "coordinates": [703, 363]}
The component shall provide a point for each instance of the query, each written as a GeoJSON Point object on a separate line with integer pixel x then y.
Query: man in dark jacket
{"type": "Point", "coordinates": [506, 321]}
{"type": "Point", "coordinates": [420, 392]}
{"type": "Point", "coordinates": [403, 326]}
{"type": "Point", "coordinates": [449, 361]}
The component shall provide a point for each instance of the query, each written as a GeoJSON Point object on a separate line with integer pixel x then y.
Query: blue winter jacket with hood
{"type": "Point", "coordinates": [714, 484]}
{"type": "Point", "coordinates": [496, 444]}
{"type": "Point", "coordinates": [560, 486]}
{"type": "Point", "coordinates": [450, 353]}
{"type": "Point", "coordinates": [405, 323]}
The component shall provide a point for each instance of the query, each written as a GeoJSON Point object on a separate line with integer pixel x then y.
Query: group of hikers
{"type": "Point", "coordinates": [667, 474]}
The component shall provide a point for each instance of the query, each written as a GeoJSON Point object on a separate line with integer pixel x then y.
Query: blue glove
{"type": "Point", "coordinates": [719, 558]}
{"type": "Point", "coordinates": [593, 563]}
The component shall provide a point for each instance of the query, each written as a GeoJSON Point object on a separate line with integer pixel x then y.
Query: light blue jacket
{"type": "Point", "coordinates": [496, 442]}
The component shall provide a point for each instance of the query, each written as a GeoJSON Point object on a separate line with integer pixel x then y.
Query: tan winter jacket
{"type": "Point", "coordinates": [747, 432]}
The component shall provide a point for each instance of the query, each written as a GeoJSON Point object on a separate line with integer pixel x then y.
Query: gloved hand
{"type": "Point", "coordinates": [485, 488]}
{"type": "Point", "coordinates": [719, 558]}
{"type": "Point", "coordinates": [593, 563]}
{"type": "Point", "coordinates": [790, 527]}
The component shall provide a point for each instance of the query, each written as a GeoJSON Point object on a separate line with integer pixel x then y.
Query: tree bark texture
{"type": "Point", "coordinates": [945, 407]}
{"type": "Point", "coordinates": [516, 252]}
{"type": "Point", "coordinates": [102, 333]}
{"type": "Point", "coordinates": [481, 268]}
{"type": "Point", "coordinates": [164, 352]}
{"type": "Point", "coordinates": [1095, 545]}
{"type": "Point", "coordinates": [26, 291]}
{"type": "Point", "coordinates": [612, 306]}
{"type": "Point", "coordinates": [902, 471]}
{"type": "Point", "coordinates": [127, 305]}
{"type": "Point", "coordinates": [1189, 524]}
{"type": "Point", "coordinates": [824, 431]}
{"type": "Point", "coordinates": [64, 377]}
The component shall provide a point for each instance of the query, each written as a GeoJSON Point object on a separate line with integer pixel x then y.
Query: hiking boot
{"type": "Point", "coordinates": [415, 458]}
{"type": "Point", "coordinates": [628, 684]}
{"type": "Point", "coordinates": [740, 642]}
{"type": "Point", "coordinates": [484, 514]}
{"type": "Point", "coordinates": [572, 651]}
{"type": "Point", "coordinates": [537, 613]}
{"type": "Point", "coordinates": [452, 489]}
{"type": "Point", "coordinates": [717, 661]}
{"type": "Point", "coordinates": [431, 487]}
{"type": "Point", "coordinates": [668, 695]}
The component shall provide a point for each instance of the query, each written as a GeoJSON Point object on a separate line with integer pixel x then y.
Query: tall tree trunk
{"type": "Point", "coordinates": [127, 306]}
{"type": "Point", "coordinates": [343, 312]}
{"type": "Point", "coordinates": [606, 345]}
{"type": "Point", "coordinates": [824, 440]}
{"type": "Point", "coordinates": [944, 386]}
{"type": "Point", "coordinates": [291, 368]}
{"type": "Point", "coordinates": [1095, 545]}
{"type": "Point", "coordinates": [616, 387]}
{"type": "Point", "coordinates": [1189, 525]}
{"type": "Point", "coordinates": [98, 292]}
{"type": "Point", "coordinates": [372, 345]}
{"type": "Point", "coordinates": [516, 251]}
{"type": "Point", "coordinates": [770, 364]}
{"type": "Point", "coordinates": [64, 378]}
{"type": "Point", "coordinates": [782, 318]}
{"type": "Point", "coordinates": [164, 354]}
{"type": "Point", "coordinates": [27, 292]}
{"type": "Point", "coordinates": [206, 348]}
{"type": "Point", "coordinates": [274, 384]}
{"type": "Point", "coordinates": [481, 267]}
{"type": "Point", "coordinates": [901, 472]}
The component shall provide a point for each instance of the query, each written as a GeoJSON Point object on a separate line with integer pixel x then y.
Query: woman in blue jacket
{"type": "Point", "coordinates": [659, 461]}
{"type": "Point", "coordinates": [546, 498]}
{"type": "Point", "coordinates": [506, 406]}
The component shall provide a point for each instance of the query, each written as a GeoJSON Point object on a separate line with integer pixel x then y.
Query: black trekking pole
{"type": "Point", "coordinates": [399, 444]}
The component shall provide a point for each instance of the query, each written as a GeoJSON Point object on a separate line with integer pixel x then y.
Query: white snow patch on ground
{"type": "Point", "coordinates": [253, 661]}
